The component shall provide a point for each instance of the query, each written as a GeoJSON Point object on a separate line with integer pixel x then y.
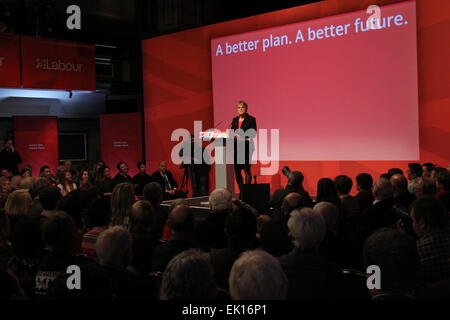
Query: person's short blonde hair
{"type": "Point", "coordinates": [242, 103]}
{"type": "Point", "coordinates": [18, 202]}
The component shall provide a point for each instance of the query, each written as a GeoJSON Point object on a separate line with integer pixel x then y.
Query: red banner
{"type": "Point", "coordinates": [9, 61]}
{"type": "Point", "coordinates": [53, 64]}
{"type": "Point", "coordinates": [36, 140]}
{"type": "Point", "coordinates": [121, 140]}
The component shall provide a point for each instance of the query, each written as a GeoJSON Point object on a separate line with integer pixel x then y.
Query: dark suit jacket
{"type": "Point", "coordinates": [211, 231]}
{"type": "Point", "coordinates": [120, 178]}
{"type": "Point", "coordinates": [140, 180]}
{"type": "Point", "coordinates": [10, 160]}
{"type": "Point", "coordinates": [365, 199]}
{"type": "Point", "coordinates": [248, 123]}
{"type": "Point", "coordinates": [157, 177]}
{"type": "Point", "coordinates": [279, 195]}
{"type": "Point", "coordinates": [310, 276]}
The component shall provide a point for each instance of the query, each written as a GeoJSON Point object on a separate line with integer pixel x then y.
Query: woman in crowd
{"type": "Point", "coordinates": [326, 191]}
{"type": "Point", "coordinates": [97, 167]}
{"type": "Point", "coordinates": [103, 181]}
{"type": "Point", "coordinates": [122, 198]}
{"type": "Point", "coordinates": [67, 185]}
{"type": "Point", "coordinates": [85, 179]}
{"type": "Point", "coordinates": [17, 205]}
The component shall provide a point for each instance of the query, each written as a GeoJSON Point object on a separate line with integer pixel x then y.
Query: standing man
{"type": "Point", "coordinates": [241, 124]}
{"type": "Point", "coordinates": [10, 158]}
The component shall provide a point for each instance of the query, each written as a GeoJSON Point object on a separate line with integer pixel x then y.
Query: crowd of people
{"type": "Point", "coordinates": [128, 245]}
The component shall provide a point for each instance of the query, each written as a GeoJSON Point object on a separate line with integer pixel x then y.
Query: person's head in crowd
{"type": "Point", "coordinates": [424, 187]}
{"type": "Point", "coordinates": [142, 167]}
{"type": "Point", "coordinates": [306, 228]}
{"type": "Point", "coordinates": [122, 167]}
{"type": "Point", "coordinates": [382, 189]}
{"type": "Point", "coordinates": [99, 212]}
{"type": "Point", "coordinates": [25, 172]}
{"type": "Point", "coordinates": [26, 183]}
{"type": "Point", "coordinates": [436, 171]}
{"type": "Point", "coordinates": [395, 253]}
{"type": "Point", "coordinates": [220, 200]}
{"type": "Point", "coordinates": [257, 275]}
{"type": "Point", "coordinates": [181, 220]}
{"type": "Point", "coordinates": [26, 240]}
{"type": "Point", "coordinates": [66, 177]}
{"type": "Point", "coordinates": [364, 182]}
{"type": "Point", "coordinates": [18, 203]}
{"type": "Point", "coordinates": [162, 166]}
{"type": "Point", "coordinates": [45, 171]}
{"type": "Point", "coordinates": [39, 185]}
{"type": "Point", "coordinates": [291, 202]}
{"type": "Point", "coordinates": [261, 221]}
{"type": "Point", "coordinates": [49, 198]}
{"type": "Point", "coordinates": [240, 227]}
{"type": "Point", "coordinates": [343, 185]}
{"type": "Point", "coordinates": [59, 233]}
{"type": "Point", "coordinates": [4, 172]}
{"type": "Point", "coordinates": [385, 176]}
{"type": "Point", "coordinates": [5, 185]}
{"type": "Point", "coordinates": [4, 228]}
{"type": "Point", "coordinates": [177, 202]}
{"type": "Point", "coordinates": [427, 168]}
{"type": "Point", "coordinates": [399, 184]}
{"type": "Point", "coordinates": [153, 193]}
{"type": "Point", "coordinates": [295, 179]}
{"type": "Point", "coordinates": [443, 181]}
{"type": "Point", "coordinates": [84, 176]}
{"type": "Point", "coordinates": [122, 198]}
{"type": "Point", "coordinates": [428, 214]}
{"type": "Point", "coordinates": [68, 165]}
{"type": "Point", "coordinates": [414, 171]}
{"type": "Point", "coordinates": [103, 174]}
{"type": "Point", "coordinates": [188, 276]}
{"type": "Point", "coordinates": [97, 166]}
{"type": "Point", "coordinates": [9, 145]}
{"type": "Point", "coordinates": [141, 218]}
{"type": "Point", "coordinates": [330, 214]}
{"type": "Point", "coordinates": [114, 248]}
{"type": "Point", "coordinates": [73, 205]}
{"type": "Point", "coordinates": [326, 191]}
{"type": "Point", "coordinates": [393, 171]}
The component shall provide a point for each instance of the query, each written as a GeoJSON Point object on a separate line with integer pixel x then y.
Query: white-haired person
{"type": "Point", "coordinates": [257, 275]}
{"type": "Point", "coordinates": [310, 275]}
{"type": "Point", "coordinates": [211, 231]}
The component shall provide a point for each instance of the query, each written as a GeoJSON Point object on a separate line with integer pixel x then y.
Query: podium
{"type": "Point", "coordinates": [224, 169]}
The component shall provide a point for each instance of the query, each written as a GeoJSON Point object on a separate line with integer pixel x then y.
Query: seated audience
{"type": "Point", "coordinates": [256, 275]}
{"type": "Point", "coordinates": [103, 181]}
{"type": "Point", "coordinates": [430, 223]}
{"type": "Point", "coordinates": [402, 197]}
{"type": "Point", "coordinates": [364, 183]}
{"type": "Point", "coordinates": [141, 179]}
{"type": "Point", "coordinates": [443, 187]}
{"type": "Point", "coordinates": [144, 242]}
{"type": "Point", "coordinates": [114, 252]}
{"type": "Point", "coordinates": [122, 176]}
{"type": "Point", "coordinates": [424, 187]}
{"type": "Point", "coordinates": [66, 183]}
{"type": "Point", "coordinates": [310, 276]}
{"type": "Point", "coordinates": [122, 198]}
{"type": "Point", "coordinates": [211, 231]}
{"type": "Point", "coordinates": [46, 172]}
{"type": "Point", "coordinates": [153, 194]}
{"type": "Point", "coordinates": [99, 213]}
{"type": "Point", "coordinates": [395, 254]}
{"type": "Point", "coordinates": [67, 166]}
{"type": "Point", "coordinates": [427, 169]}
{"type": "Point", "coordinates": [350, 209]}
{"type": "Point", "coordinates": [39, 185]}
{"type": "Point", "coordinates": [414, 171]}
{"type": "Point", "coordinates": [326, 191]}
{"type": "Point", "coordinates": [17, 205]}
{"type": "Point", "coordinates": [168, 184]}
{"type": "Point", "coordinates": [181, 224]}
{"type": "Point", "coordinates": [188, 276]}
{"type": "Point", "coordinates": [294, 184]}
{"type": "Point", "coordinates": [84, 179]}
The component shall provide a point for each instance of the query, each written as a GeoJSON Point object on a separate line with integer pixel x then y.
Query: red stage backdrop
{"type": "Point", "coordinates": [178, 86]}
{"type": "Point", "coordinates": [121, 140]}
{"type": "Point", "coordinates": [54, 64]}
{"type": "Point", "coordinates": [36, 140]}
{"type": "Point", "coordinates": [9, 61]}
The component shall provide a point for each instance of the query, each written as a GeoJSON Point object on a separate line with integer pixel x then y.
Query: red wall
{"type": "Point", "coordinates": [178, 88]}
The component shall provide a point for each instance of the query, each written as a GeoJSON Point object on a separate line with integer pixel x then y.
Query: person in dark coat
{"type": "Point", "coordinates": [10, 158]}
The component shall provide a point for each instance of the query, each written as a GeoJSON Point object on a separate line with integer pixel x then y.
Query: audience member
{"type": "Point", "coordinates": [99, 213]}
{"type": "Point", "coordinates": [141, 179]}
{"type": "Point", "coordinates": [188, 276]}
{"type": "Point", "coordinates": [256, 275]}
{"type": "Point", "coordinates": [46, 172]}
{"type": "Point", "coordinates": [443, 187]}
{"type": "Point", "coordinates": [122, 198]}
{"type": "Point", "coordinates": [350, 209]}
{"type": "Point", "coordinates": [17, 205]}
{"type": "Point", "coordinates": [5, 189]}
{"type": "Point", "coordinates": [49, 199]}
{"type": "Point", "coordinates": [67, 166]}
{"type": "Point", "coordinates": [122, 176]}
{"type": "Point", "coordinates": [85, 179]}
{"type": "Point", "coordinates": [430, 223]}
{"type": "Point", "coordinates": [427, 169]}
{"type": "Point", "coordinates": [66, 182]}
{"type": "Point", "coordinates": [168, 184]}
{"type": "Point", "coordinates": [326, 191]}
{"type": "Point", "coordinates": [103, 180]}
{"type": "Point", "coordinates": [26, 183]}
{"type": "Point", "coordinates": [39, 185]}
{"type": "Point", "coordinates": [10, 158]}
{"type": "Point", "coordinates": [395, 254]}
{"type": "Point", "coordinates": [153, 194]}
{"type": "Point", "coordinates": [364, 183]}
{"type": "Point", "coordinates": [424, 187]}
{"type": "Point", "coordinates": [414, 171]}
{"type": "Point", "coordinates": [310, 276]}
{"type": "Point", "coordinates": [402, 197]}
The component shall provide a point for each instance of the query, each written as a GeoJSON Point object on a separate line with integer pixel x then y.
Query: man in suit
{"type": "Point", "coordinates": [168, 184]}
{"type": "Point", "coordinates": [241, 124]}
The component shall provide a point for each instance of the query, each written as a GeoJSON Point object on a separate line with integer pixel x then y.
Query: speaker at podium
{"type": "Point", "coordinates": [257, 195]}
